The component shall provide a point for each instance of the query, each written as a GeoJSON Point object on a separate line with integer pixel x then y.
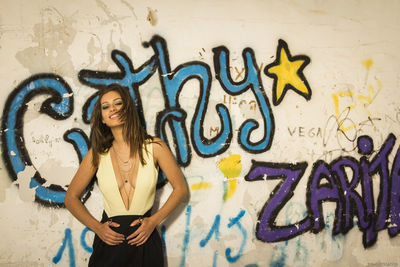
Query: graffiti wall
{"type": "Point", "coordinates": [284, 117]}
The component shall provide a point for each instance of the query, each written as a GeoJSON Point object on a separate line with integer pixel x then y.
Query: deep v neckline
{"type": "Point", "coordinates": [116, 173]}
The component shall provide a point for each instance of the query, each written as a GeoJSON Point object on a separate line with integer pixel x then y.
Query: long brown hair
{"type": "Point", "coordinates": [133, 132]}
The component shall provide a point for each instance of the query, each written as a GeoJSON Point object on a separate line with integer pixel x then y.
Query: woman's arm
{"type": "Point", "coordinates": [174, 175]}
{"type": "Point", "coordinates": [166, 161]}
{"type": "Point", "coordinates": [73, 203]}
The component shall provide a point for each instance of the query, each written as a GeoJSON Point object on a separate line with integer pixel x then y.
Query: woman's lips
{"type": "Point", "coordinates": [116, 115]}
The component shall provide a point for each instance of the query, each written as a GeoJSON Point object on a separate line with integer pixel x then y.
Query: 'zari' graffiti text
{"type": "Point", "coordinates": [332, 182]}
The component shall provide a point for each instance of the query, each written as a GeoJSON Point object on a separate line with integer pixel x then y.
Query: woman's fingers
{"type": "Point", "coordinates": [141, 241]}
{"type": "Point", "coordinates": [109, 236]}
{"type": "Point", "coordinates": [140, 236]}
{"type": "Point", "coordinates": [112, 224]}
{"type": "Point", "coordinates": [136, 222]}
{"type": "Point", "coordinates": [138, 239]}
{"type": "Point", "coordinates": [116, 236]}
{"type": "Point", "coordinates": [133, 236]}
{"type": "Point", "coordinates": [112, 242]}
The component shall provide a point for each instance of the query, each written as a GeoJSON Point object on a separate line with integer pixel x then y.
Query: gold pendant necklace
{"type": "Point", "coordinates": [127, 173]}
{"type": "Point", "coordinates": [125, 166]}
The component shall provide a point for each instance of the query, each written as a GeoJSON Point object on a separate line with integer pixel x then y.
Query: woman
{"type": "Point", "coordinates": [125, 160]}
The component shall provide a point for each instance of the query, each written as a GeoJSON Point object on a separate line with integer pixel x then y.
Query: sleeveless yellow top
{"type": "Point", "coordinates": [144, 194]}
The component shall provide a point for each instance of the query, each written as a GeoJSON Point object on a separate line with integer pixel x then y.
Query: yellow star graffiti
{"type": "Point", "coordinates": [287, 72]}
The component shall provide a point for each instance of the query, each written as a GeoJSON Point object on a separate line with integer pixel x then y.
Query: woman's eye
{"type": "Point", "coordinates": [118, 103]}
{"type": "Point", "coordinates": [104, 107]}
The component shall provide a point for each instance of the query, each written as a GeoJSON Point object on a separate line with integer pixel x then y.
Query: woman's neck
{"type": "Point", "coordinates": [119, 139]}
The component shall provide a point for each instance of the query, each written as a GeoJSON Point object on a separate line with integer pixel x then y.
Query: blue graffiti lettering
{"type": "Point", "coordinates": [186, 237]}
{"type": "Point", "coordinates": [83, 240]}
{"type": "Point", "coordinates": [127, 77]}
{"type": "Point", "coordinates": [251, 81]}
{"type": "Point", "coordinates": [58, 106]}
{"type": "Point", "coordinates": [172, 82]}
{"type": "Point", "coordinates": [228, 251]}
{"type": "Point", "coordinates": [71, 254]}
{"type": "Point", "coordinates": [214, 230]}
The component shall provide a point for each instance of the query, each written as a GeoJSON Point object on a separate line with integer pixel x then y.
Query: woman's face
{"type": "Point", "coordinates": [111, 104]}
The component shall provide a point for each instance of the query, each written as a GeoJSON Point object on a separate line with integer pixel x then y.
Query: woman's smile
{"type": "Point", "coordinates": [115, 116]}
{"type": "Point", "coordinates": [111, 104]}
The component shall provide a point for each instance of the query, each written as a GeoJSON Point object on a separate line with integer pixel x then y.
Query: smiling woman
{"type": "Point", "coordinates": [110, 108]}
{"type": "Point", "coordinates": [125, 160]}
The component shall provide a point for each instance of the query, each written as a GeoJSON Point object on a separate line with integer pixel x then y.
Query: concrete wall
{"type": "Point", "coordinates": [283, 115]}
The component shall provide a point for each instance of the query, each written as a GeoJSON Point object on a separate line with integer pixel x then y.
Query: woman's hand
{"type": "Point", "coordinates": [109, 236]}
{"type": "Point", "coordinates": [140, 236]}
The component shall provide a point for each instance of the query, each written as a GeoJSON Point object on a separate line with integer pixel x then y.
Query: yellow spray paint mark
{"type": "Point", "coordinates": [201, 185]}
{"type": "Point", "coordinates": [231, 189]}
{"type": "Point", "coordinates": [368, 63]}
{"type": "Point", "coordinates": [231, 167]}
{"type": "Point", "coordinates": [362, 99]}
{"type": "Point", "coordinates": [338, 112]}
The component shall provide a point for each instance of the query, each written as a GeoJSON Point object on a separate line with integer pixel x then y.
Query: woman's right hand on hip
{"type": "Point", "coordinates": [109, 236]}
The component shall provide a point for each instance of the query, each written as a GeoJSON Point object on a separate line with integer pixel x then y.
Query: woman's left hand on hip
{"type": "Point", "coordinates": [140, 236]}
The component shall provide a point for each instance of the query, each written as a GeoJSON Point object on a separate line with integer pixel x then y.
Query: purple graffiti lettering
{"type": "Point", "coordinates": [394, 226]}
{"type": "Point", "coordinates": [378, 165]}
{"type": "Point", "coordinates": [318, 192]}
{"type": "Point", "coordinates": [330, 182]}
{"type": "Point", "coordinates": [350, 198]}
{"type": "Point", "coordinates": [267, 230]}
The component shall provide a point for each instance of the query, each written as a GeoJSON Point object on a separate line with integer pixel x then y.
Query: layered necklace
{"type": "Point", "coordinates": [125, 168]}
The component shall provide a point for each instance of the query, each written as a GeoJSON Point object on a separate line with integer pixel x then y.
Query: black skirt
{"type": "Point", "coordinates": [149, 254]}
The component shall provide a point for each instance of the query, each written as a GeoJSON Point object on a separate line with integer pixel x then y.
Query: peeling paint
{"type": "Point", "coordinates": [52, 36]}
{"type": "Point", "coordinates": [55, 173]}
{"type": "Point", "coordinates": [152, 16]}
{"type": "Point", "coordinates": [26, 193]}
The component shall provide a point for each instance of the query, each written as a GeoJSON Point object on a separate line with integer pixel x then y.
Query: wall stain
{"type": "Point", "coordinates": [152, 16]}
{"type": "Point", "coordinates": [52, 36]}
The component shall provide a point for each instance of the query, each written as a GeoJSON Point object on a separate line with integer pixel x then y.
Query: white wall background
{"type": "Point", "coordinates": [353, 47]}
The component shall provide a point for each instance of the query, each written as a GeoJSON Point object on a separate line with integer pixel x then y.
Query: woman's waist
{"type": "Point", "coordinates": [124, 222]}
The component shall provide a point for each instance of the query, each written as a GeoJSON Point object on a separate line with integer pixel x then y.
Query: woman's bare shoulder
{"type": "Point", "coordinates": [159, 147]}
